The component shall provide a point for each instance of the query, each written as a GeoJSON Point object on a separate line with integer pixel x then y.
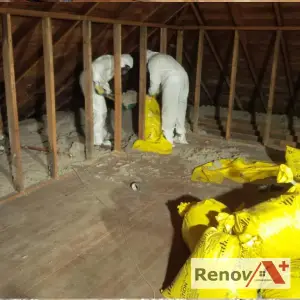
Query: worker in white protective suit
{"type": "Point", "coordinates": [102, 73]}
{"type": "Point", "coordinates": [169, 77]}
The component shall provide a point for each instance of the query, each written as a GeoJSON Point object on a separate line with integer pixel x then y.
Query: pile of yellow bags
{"type": "Point", "coordinates": [267, 230]}
{"type": "Point", "coordinates": [154, 139]}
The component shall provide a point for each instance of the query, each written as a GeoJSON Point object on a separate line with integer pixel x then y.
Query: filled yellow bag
{"type": "Point", "coordinates": [197, 217]}
{"type": "Point", "coordinates": [292, 157]}
{"type": "Point", "coordinates": [275, 224]}
{"type": "Point", "coordinates": [213, 244]}
{"type": "Point", "coordinates": [293, 292]}
{"type": "Point", "coordinates": [238, 170]}
{"type": "Point", "coordinates": [154, 139]}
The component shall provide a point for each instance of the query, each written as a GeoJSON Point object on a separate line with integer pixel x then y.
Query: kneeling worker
{"type": "Point", "coordinates": [102, 73]}
{"type": "Point", "coordinates": [169, 76]}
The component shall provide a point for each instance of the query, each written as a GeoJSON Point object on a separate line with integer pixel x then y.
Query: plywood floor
{"type": "Point", "coordinates": [90, 235]}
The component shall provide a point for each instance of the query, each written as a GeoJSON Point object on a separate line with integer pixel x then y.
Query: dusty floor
{"type": "Point", "coordinates": [91, 235]}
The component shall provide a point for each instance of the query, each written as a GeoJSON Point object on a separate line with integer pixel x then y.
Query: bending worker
{"type": "Point", "coordinates": [102, 73]}
{"type": "Point", "coordinates": [169, 76]}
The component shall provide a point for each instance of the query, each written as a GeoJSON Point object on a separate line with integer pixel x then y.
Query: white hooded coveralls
{"type": "Point", "coordinates": [167, 73]}
{"type": "Point", "coordinates": [102, 73]}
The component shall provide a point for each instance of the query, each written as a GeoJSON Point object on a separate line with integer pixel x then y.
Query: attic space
{"type": "Point", "coordinates": [73, 211]}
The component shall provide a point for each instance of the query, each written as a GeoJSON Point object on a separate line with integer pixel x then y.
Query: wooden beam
{"type": "Point", "coordinates": [74, 17]}
{"type": "Point", "coordinates": [118, 86]}
{"type": "Point", "coordinates": [235, 14]}
{"type": "Point", "coordinates": [203, 85]}
{"type": "Point", "coordinates": [142, 83]}
{"type": "Point", "coordinates": [11, 103]}
{"type": "Point", "coordinates": [179, 46]}
{"type": "Point", "coordinates": [239, 28]}
{"type": "Point", "coordinates": [284, 50]}
{"type": "Point", "coordinates": [272, 89]}
{"type": "Point", "coordinates": [198, 80]}
{"type": "Point", "coordinates": [215, 54]}
{"type": "Point", "coordinates": [163, 40]}
{"type": "Point", "coordinates": [88, 88]}
{"type": "Point", "coordinates": [50, 94]}
{"type": "Point", "coordinates": [234, 66]}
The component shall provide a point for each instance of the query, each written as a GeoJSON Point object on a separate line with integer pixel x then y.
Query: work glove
{"type": "Point", "coordinates": [99, 90]}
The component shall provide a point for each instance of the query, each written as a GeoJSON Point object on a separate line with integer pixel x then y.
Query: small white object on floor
{"type": "Point", "coordinates": [1, 137]}
{"type": "Point", "coordinates": [134, 186]}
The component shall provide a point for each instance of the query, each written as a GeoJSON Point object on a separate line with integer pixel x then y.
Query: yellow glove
{"type": "Point", "coordinates": [99, 90]}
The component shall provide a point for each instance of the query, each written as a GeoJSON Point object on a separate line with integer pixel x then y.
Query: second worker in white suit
{"type": "Point", "coordinates": [102, 73]}
{"type": "Point", "coordinates": [169, 76]}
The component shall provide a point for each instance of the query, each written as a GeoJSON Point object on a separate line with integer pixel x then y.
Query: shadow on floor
{"type": "Point", "coordinates": [277, 156]}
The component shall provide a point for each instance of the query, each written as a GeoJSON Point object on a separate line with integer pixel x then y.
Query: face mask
{"type": "Point", "coordinates": [125, 70]}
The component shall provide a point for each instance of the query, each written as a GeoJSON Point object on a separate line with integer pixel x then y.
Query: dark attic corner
{"type": "Point", "coordinates": [137, 135]}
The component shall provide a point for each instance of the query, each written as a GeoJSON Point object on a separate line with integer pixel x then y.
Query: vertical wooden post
{"type": "Point", "coordinates": [88, 89]}
{"type": "Point", "coordinates": [198, 79]}
{"type": "Point", "coordinates": [50, 94]}
{"type": "Point", "coordinates": [1, 127]}
{"type": "Point", "coordinates": [179, 46]}
{"type": "Point", "coordinates": [272, 89]}
{"type": "Point", "coordinates": [118, 86]}
{"type": "Point", "coordinates": [234, 66]}
{"type": "Point", "coordinates": [11, 103]}
{"type": "Point", "coordinates": [163, 40]}
{"type": "Point", "coordinates": [142, 86]}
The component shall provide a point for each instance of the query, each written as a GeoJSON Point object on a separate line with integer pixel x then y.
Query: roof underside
{"type": "Point", "coordinates": [256, 48]}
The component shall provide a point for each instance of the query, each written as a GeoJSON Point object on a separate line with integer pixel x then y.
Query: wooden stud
{"type": "Point", "coordinates": [88, 95]}
{"type": "Point", "coordinates": [234, 67]}
{"type": "Point", "coordinates": [215, 53]}
{"type": "Point", "coordinates": [1, 127]}
{"type": "Point", "coordinates": [179, 46]}
{"type": "Point", "coordinates": [237, 19]}
{"type": "Point", "coordinates": [163, 40]}
{"type": "Point", "coordinates": [284, 49]}
{"type": "Point", "coordinates": [198, 80]}
{"type": "Point", "coordinates": [11, 103]}
{"type": "Point", "coordinates": [272, 89]}
{"type": "Point", "coordinates": [142, 86]}
{"type": "Point", "coordinates": [50, 94]}
{"type": "Point", "coordinates": [118, 86]}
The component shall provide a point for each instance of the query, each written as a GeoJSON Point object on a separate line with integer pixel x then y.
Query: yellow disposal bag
{"type": "Point", "coordinates": [292, 157]}
{"type": "Point", "coordinates": [197, 217]}
{"type": "Point", "coordinates": [238, 170]}
{"type": "Point", "coordinates": [213, 244]}
{"type": "Point", "coordinates": [274, 223]}
{"type": "Point", "coordinates": [154, 139]}
{"type": "Point", "coordinates": [293, 292]}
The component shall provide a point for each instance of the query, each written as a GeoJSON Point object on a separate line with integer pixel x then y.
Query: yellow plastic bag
{"type": "Point", "coordinates": [213, 244]}
{"type": "Point", "coordinates": [293, 292]}
{"type": "Point", "coordinates": [154, 139]}
{"type": "Point", "coordinates": [197, 217]}
{"type": "Point", "coordinates": [292, 157]}
{"type": "Point", "coordinates": [275, 224]}
{"type": "Point", "coordinates": [238, 170]}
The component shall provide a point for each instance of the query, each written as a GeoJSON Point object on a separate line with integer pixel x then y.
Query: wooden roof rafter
{"type": "Point", "coordinates": [212, 47]}
{"type": "Point", "coordinates": [235, 14]}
